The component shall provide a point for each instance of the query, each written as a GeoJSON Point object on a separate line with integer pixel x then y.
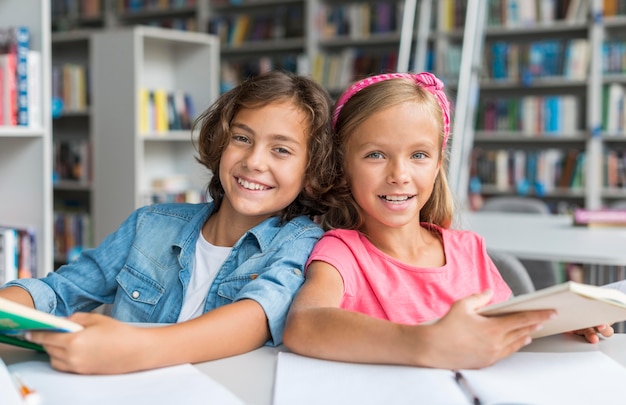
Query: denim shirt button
{"type": "Point", "coordinates": [135, 294]}
{"type": "Point", "coordinates": [297, 272]}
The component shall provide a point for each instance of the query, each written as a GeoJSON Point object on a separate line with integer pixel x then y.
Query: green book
{"type": "Point", "coordinates": [17, 319]}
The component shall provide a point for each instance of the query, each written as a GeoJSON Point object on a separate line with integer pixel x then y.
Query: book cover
{"type": "Point", "coordinates": [9, 89]}
{"type": "Point", "coordinates": [34, 89]}
{"type": "Point", "coordinates": [9, 248]}
{"type": "Point", "coordinates": [21, 36]}
{"type": "Point", "coordinates": [578, 306]}
{"type": "Point", "coordinates": [16, 319]}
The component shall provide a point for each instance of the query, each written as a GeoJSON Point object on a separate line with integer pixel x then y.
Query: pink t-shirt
{"type": "Point", "coordinates": [379, 285]}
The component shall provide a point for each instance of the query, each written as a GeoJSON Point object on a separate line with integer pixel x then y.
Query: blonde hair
{"type": "Point", "coordinates": [439, 209]}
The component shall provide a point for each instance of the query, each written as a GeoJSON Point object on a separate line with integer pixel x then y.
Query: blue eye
{"type": "Point", "coordinates": [374, 155]}
{"type": "Point", "coordinates": [419, 155]}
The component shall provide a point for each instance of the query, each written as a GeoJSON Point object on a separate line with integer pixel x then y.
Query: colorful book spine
{"type": "Point", "coordinates": [22, 42]}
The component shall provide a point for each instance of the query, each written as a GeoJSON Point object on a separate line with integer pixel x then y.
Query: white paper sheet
{"type": "Point", "coordinates": [8, 390]}
{"type": "Point", "coordinates": [183, 384]}
{"type": "Point", "coordinates": [523, 378]}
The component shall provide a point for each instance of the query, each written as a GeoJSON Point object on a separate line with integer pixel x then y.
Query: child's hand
{"type": "Point", "coordinates": [105, 346]}
{"type": "Point", "coordinates": [469, 340]}
{"type": "Point", "coordinates": [591, 334]}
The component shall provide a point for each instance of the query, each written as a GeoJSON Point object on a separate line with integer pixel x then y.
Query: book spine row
{"type": "Point", "coordinates": [613, 111]}
{"type": "Point", "coordinates": [70, 85]}
{"type": "Point", "coordinates": [20, 73]}
{"type": "Point", "coordinates": [72, 160]}
{"type": "Point", "coordinates": [337, 71]}
{"type": "Point", "coordinates": [151, 5]}
{"type": "Point", "coordinates": [18, 256]}
{"type": "Point", "coordinates": [282, 22]}
{"type": "Point", "coordinates": [529, 172]}
{"type": "Point", "coordinates": [530, 115]}
{"type": "Point", "coordinates": [72, 233]}
{"type": "Point", "coordinates": [615, 169]}
{"type": "Point", "coordinates": [614, 7]}
{"type": "Point", "coordinates": [161, 111]}
{"type": "Point", "coordinates": [232, 73]}
{"type": "Point", "coordinates": [528, 13]}
{"type": "Point", "coordinates": [549, 58]}
{"type": "Point", "coordinates": [614, 57]}
{"type": "Point", "coordinates": [61, 9]}
{"type": "Point", "coordinates": [359, 20]}
{"type": "Point", "coordinates": [173, 188]}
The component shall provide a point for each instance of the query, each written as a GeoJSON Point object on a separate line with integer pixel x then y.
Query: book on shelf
{"type": "Point", "coordinates": [17, 319]}
{"type": "Point", "coordinates": [601, 217]}
{"type": "Point", "coordinates": [8, 89]}
{"type": "Point", "coordinates": [17, 254]}
{"type": "Point", "coordinates": [578, 306]}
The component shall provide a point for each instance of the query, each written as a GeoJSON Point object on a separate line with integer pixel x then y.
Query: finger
{"type": "Point", "coordinates": [476, 301]}
{"type": "Point", "coordinates": [606, 330]}
{"type": "Point", "coordinates": [526, 319]}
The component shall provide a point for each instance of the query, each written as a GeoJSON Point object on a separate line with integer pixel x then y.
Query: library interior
{"type": "Point", "coordinates": [98, 99]}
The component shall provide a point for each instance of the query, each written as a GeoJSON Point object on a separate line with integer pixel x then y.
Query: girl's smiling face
{"type": "Point", "coordinates": [391, 161]}
{"type": "Point", "coordinates": [262, 169]}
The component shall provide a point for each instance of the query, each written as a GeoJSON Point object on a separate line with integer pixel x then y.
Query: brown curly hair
{"type": "Point", "coordinates": [259, 91]}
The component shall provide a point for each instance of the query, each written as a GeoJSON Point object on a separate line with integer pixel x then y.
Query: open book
{"type": "Point", "coordinates": [578, 306]}
{"type": "Point", "coordinates": [17, 319]}
{"type": "Point", "coordinates": [522, 378]}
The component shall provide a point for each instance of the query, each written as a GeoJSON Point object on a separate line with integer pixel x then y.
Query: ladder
{"type": "Point", "coordinates": [462, 138]}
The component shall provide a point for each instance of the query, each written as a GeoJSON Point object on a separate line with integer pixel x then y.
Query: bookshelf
{"type": "Point", "coordinates": [257, 36]}
{"type": "Point", "coordinates": [128, 158]}
{"type": "Point", "coordinates": [186, 15]}
{"type": "Point", "coordinates": [25, 152]}
{"type": "Point", "coordinates": [71, 143]}
{"type": "Point", "coordinates": [535, 111]}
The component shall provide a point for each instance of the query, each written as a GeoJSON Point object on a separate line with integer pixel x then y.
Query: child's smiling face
{"type": "Point", "coordinates": [263, 167]}
{"type": "Point", "coordinates": [391, 161]}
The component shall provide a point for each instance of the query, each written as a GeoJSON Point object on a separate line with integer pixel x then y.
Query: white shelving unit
{"type": "Point", "coordinates": [125, 161]}
{"type": "Point", "coordinates": [25, 152]}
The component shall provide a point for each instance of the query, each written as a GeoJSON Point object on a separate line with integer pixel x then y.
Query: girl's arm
{"type": "Point", "coordinates": [107, 346]}
{"type": "Point", "coordinates": [317, 327]}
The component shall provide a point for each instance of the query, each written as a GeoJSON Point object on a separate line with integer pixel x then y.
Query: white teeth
{"type": "Point", "coordinates": [395, 197]}
{"type": "Point", "coordinates": [251, 186]}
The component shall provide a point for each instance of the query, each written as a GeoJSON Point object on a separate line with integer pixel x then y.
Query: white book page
{"type": "Point", "coordinates": [523, 378]}
{"type": "Point", "coordinates": [8, 390]}
{"type": "Point", "coordinates": [550, 378]}
{"type": "Point", "coordinates": [182, 384]}
{"type": "Point", "coordinates": [306, 381]}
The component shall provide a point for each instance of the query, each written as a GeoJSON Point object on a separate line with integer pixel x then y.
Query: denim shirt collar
{"type": "Point", "coordinates": [262, 234]}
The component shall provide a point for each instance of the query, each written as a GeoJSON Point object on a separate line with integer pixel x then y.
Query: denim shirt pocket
{"type": "Point", "coordinates": [230, 288]}
{"type": "Point", "coordinates": [137, 296]}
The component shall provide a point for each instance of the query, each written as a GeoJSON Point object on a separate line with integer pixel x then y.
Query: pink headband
{"type": "Point", "coordinates": [426, 80]}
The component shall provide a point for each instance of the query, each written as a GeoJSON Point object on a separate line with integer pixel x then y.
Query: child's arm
{"type": "Point", "coordinates": [317, 327]}
{"type": "Point", "coordinates": [107, 346]}
{"type": "Point", "coordinates": [17, 294]}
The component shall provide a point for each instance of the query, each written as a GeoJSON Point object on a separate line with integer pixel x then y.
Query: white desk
{"type": "Point", "coordinates": [548, 237]}
{"type": "Point", "coordinates": [251, 376]}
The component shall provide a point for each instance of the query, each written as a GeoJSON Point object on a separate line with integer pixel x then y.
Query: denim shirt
{"type": "Point", "coordinates": [144, 268]}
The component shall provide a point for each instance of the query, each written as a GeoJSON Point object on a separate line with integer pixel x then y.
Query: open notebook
{"type": "Point", "coordinates": [523, 378]}
{"type": "Point", "coordinates": [182, 384]}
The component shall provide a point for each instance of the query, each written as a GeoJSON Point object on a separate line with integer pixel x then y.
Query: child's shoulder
{"type": "Point", "coordinates": [181, 210]}
{"type": "Point", "coordinates": [298, 226]}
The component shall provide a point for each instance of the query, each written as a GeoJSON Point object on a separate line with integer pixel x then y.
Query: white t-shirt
{"type": "Point", "coordinates": [209, 259]}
